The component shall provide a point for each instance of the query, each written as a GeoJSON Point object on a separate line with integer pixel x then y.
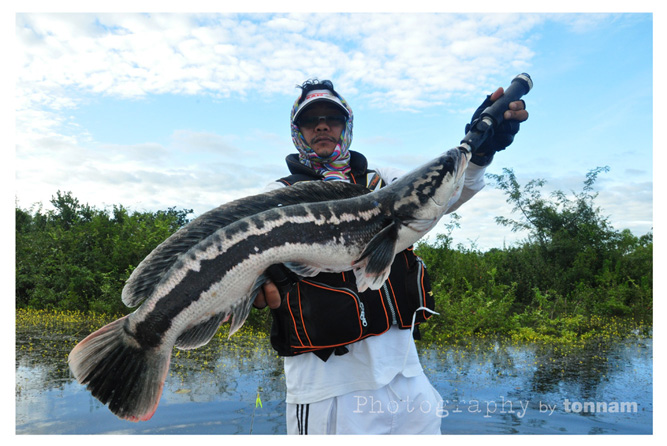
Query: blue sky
{"type": "Point", "coordinates": [158, 110]}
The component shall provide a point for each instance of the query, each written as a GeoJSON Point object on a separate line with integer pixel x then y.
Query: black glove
{"type": "Point", "coordinates": [282, 277]}
{"type": "Point", "coordinates": [500, 137]}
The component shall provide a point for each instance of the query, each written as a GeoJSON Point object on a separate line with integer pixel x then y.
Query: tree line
{"type": "Point", "coordinates": [78, 257]}
{"type": "Point", "coordinates": [573, 264]}
{"type": "Point", "coordinates": [573, 267]}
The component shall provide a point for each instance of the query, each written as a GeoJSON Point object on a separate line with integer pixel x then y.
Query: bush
{"type": "Point", "coordinates": [77, 257]}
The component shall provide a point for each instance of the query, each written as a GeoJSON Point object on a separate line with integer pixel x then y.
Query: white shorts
{"type": "Point", "coordinates": [404, 406]}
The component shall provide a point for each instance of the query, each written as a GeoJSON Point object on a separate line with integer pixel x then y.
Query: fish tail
{"type": "Point", "coordinates": [120, 373]}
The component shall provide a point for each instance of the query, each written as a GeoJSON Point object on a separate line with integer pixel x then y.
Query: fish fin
{"type": "Point", "coordinates": [373, 266]}
{"type": "Point", "coordinates": [242, 310]}
{"type": "Point", "coordinates": [120, 373]}
{"type": "Point", "coordinates": [201, 333]}
{"type": "Point", "coordinates": [303, 270]}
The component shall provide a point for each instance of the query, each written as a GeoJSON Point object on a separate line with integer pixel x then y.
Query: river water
{"type": "Point", "coordinates": [488, 386]}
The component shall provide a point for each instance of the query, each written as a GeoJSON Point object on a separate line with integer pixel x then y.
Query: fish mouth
{"type": "Point", "coordinates": [464, 158]}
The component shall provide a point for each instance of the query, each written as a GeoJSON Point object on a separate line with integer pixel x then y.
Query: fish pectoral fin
{"type": "Point", "coordinates": [241, 311]}
{"type": "Point", "coordinates": [373, 267]}
{"type": "Point", "coordinates": [366, 281]}
{"type": "Point", "coordinates": [201, 333]}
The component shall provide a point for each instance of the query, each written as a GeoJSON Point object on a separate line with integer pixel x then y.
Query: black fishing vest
{"type": "Point", "coordinates": [323, 314]}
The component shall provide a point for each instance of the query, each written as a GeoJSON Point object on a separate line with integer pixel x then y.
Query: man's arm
{"type": "Point", "coordinates": [474, 176]}
{"type": "Point", "coordinates": [473, 183]}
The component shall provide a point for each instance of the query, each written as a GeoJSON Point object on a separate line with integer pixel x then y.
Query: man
{"type": "Point", "coordinates": [362, 377]}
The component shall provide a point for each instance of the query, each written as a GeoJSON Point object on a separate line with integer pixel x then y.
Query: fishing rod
{"type": "Point", "coordinates": [492, 116]}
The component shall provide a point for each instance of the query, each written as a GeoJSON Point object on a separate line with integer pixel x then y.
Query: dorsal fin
{"type": "Point", "coordinates": [152, 269]}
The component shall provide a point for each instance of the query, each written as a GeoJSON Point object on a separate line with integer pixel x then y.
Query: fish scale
{"type": "Point", "coordinates": [211, 269]}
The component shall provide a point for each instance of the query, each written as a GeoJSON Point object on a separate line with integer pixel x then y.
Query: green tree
{"type": "Point", "coordinates": [572, 252]}
{"type": "Point", "coordinates": [79, 257]}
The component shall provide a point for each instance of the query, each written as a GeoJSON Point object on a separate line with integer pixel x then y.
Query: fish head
{"type": "Point", "coordinates": [444, 178]}
{"type": "Point", "coordinates": [424, 195]}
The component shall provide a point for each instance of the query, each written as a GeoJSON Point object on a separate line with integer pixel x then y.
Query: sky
{"type": "Point", "coordinates": [152, 110]}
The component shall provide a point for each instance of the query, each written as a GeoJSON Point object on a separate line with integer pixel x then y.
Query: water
{"type": "Point", "coordinates": [489, 387]}
{"type": "Point", "coordinates": [495, 388]}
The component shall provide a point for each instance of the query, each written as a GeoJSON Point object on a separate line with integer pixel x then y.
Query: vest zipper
{"type": "Point", "coordinates": [362, 314]}
{"type": "Point", "coordinates": [420, 272]}
{"type": "Point", "coordinates": [392, 310]}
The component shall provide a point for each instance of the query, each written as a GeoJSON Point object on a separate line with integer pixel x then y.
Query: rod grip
{"type": "Point", "coordinates": [520, 86]}
{"type": "Point", "coordinates": [492, 115]}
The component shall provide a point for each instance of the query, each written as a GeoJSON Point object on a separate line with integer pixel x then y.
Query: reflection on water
{"type": "Point", "coordinates": [489, 387]}
{"type": "Point", "coordinates": [494, 387]}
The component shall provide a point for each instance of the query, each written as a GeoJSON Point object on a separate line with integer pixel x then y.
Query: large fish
{"type": "Point", "coordinates": [212, 268]}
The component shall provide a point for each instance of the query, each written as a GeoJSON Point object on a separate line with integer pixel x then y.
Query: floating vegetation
{"type": "Point", "coordinates": [576, 331]}
{"type": "Point", "coordinates": [53, 333]}
{"type": "Point", "coordinates": [48, 336]}
{"type": "Point", "coordinates": [536, 327]}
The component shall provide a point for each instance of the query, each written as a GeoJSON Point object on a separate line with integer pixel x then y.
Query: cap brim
{"type": "Point", "coordinates": [318, 97]}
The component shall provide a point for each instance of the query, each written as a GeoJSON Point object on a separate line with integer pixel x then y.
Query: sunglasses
{"type": "Point", "coordinates": [310, 122]}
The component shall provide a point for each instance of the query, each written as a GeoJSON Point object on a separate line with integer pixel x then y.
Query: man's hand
{"type": "Point", "coordinates": [268, 295]}
{"type": "Point", "coordinates": [280, 280]}
{"type": "Point", "coordinates": [503, 135]}
{"type": "Point", "coordinates": [517, 109]}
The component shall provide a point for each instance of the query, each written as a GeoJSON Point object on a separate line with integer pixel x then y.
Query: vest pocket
{"type": "Point", "coordinates": [324, 316]}
{"type": "Point", "coordinates": [413, 292]}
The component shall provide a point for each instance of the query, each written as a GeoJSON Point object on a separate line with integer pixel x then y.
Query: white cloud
{"type": "Point", "coordinates": [412, 56]}
{"type": "Point", "coordinates": [390, 61]}
{"type": "Point", "coordinates": [478, 227]}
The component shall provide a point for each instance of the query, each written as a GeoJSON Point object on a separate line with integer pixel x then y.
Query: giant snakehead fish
{"type": "Point", "coordinates": [211, 269]}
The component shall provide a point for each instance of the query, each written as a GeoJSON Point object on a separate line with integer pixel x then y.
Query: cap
{"type": "Point", "coordinates": [320, 96]}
